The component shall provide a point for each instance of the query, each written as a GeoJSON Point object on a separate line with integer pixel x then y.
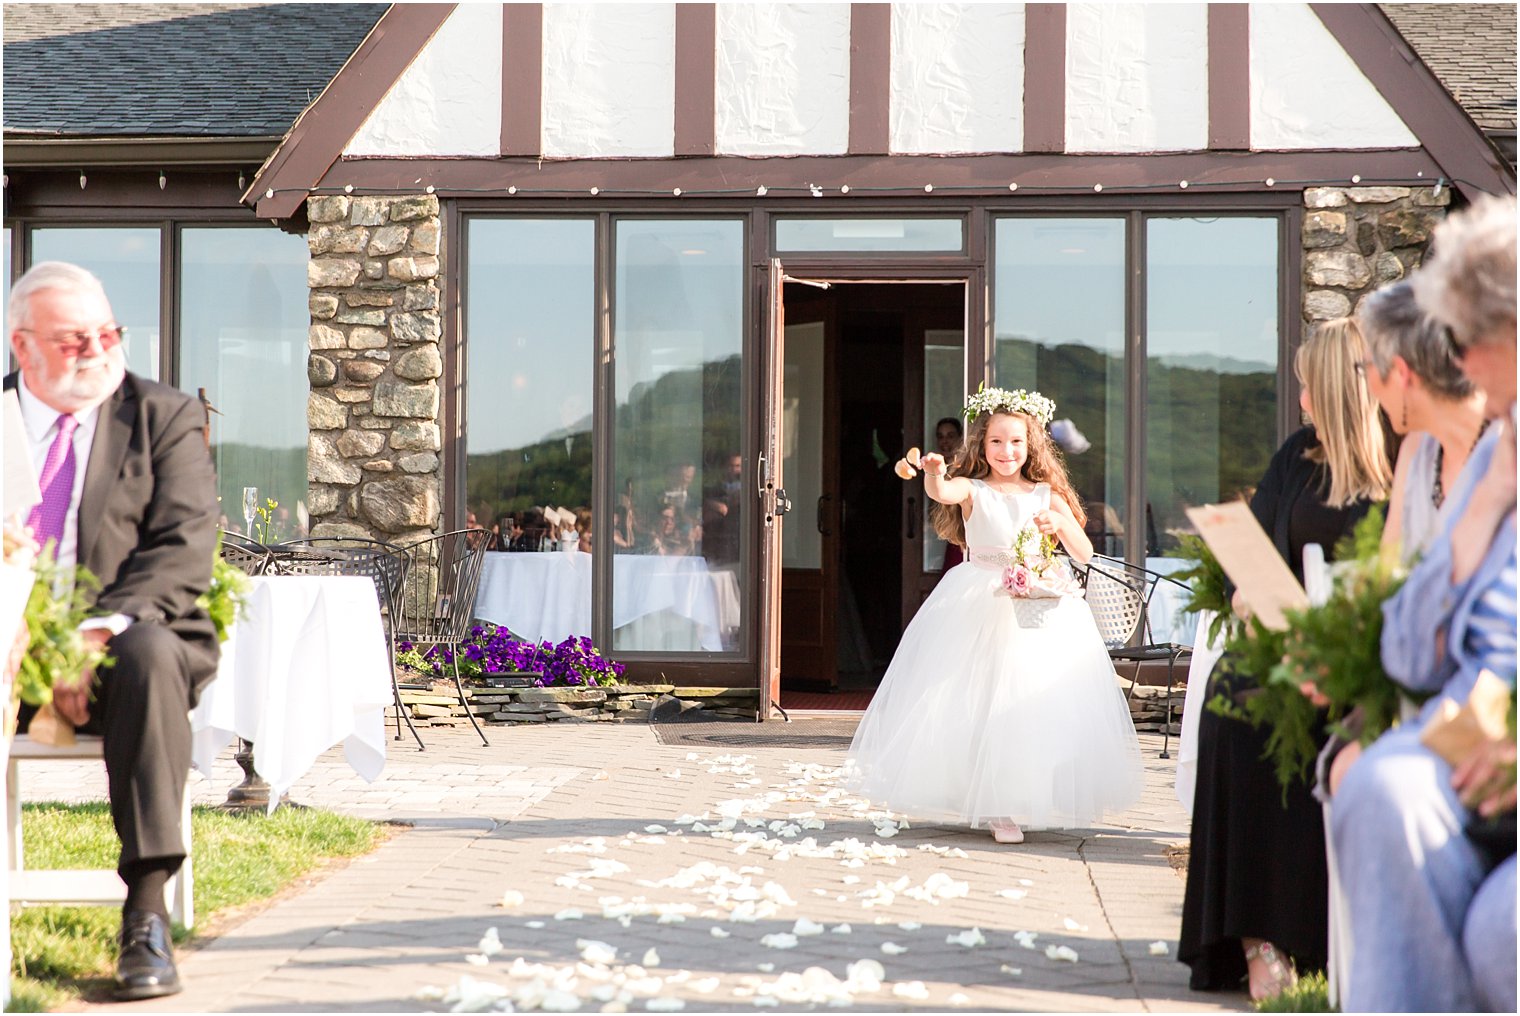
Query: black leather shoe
{"type": "Point", "coordinates": [145, 968]}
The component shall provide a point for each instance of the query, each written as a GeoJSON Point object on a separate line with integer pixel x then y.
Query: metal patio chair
{"type": "Point", "coordinates": [1119, 594]}
{"type": "Point", "coordinates": [249, 555]}
{"type": "Point", "coordinates": [385, 564]}
{"type": "Point", "coordinates": [438, 606]}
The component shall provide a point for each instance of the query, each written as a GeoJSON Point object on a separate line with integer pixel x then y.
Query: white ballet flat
{"type": "Point", "coordinates": [1006, 832]}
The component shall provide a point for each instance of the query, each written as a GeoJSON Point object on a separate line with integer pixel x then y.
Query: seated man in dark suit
{"type": "Point", "coordinates": [128, 492]}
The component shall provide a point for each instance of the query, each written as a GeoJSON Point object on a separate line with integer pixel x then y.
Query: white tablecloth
{"type": "Point", "coordinates": [304, 670]}
{"type": "Point", "coordinates": [671, 602]}
{"type": "Point", "coordinates": [1168, 621]}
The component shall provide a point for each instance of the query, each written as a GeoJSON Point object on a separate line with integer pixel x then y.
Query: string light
{"type": "Point", "coordinates": [820, 190]}
{"type": "Point", "coordinates": [82, 181]}
{"type": "Point", "coordinates": [242, 184]}
{"type": "Point", "coordinates": [163, 181]}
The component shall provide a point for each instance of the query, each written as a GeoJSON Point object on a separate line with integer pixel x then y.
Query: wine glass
{"type": "Point", "coordinates": [250, 505]}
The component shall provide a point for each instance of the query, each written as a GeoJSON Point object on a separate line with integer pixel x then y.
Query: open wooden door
{"type": "Point", "coordinates": [773, 503]}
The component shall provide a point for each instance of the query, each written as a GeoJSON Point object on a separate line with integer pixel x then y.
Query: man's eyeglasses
{"type": "Point", "coordinates": [74, 343]}
{"type": "Point", "coordinates": [1456, 349]}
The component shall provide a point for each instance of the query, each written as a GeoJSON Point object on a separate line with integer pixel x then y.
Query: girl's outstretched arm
{"type": "Point", "coordinates": [1058, 521]}
{"type": "Point", "coordinates": [944, 489]}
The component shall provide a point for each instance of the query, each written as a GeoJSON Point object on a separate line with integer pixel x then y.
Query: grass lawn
{"type": "Point", "coordinates": [60, 953]}
{"type": "Point", "coordinates": [1311, 994]}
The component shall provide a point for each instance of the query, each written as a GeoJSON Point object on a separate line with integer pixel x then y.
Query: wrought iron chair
{"type": "Point", "coordinates": [249, 555]}
{"type": "Point", "coordinates": [1119, 594]}
{"type": "Point", "coordinates": [442, 577]}
{"type": "Point", "coordinates": [383, 563]}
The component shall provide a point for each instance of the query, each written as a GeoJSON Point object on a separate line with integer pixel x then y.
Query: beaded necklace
{"type": "Point", "coordinates": [1438, 489]}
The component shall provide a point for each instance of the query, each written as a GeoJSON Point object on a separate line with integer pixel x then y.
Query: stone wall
{"type": "Point", "coordinates": [375, 363]}
{"type": "Point", "coordinates": [1359, 238]}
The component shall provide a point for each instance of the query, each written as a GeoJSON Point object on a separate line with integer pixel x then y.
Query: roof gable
{"type": "Point", "coordinates": [171, 70]}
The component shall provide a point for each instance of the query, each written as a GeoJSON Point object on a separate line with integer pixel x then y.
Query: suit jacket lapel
{"type": "Point", "coordinates": [113, 434]}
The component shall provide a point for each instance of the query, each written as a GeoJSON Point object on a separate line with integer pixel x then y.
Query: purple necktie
{"type": "Point", "coordinates": [57, 483]}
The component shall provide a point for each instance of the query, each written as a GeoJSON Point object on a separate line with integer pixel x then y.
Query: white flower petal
{"type": "Point", "coordinates": [476, 959]}
{"type": "Point", "coordinates": [970, 938]}
{"type": "Point", "coordinates": [909, 925]}
{"type": "Point", "coordinates": [674, 774]}
{"type": "Point", "coordinates": [959, 998]}
{"type": "Point", "coordinates": [655, 829]}
{"type": "Point", "coordinates": [1061, 953]}
{"type": "Point", "coordinates": [910, 989]}
{"type": "Point", "coordinates": [717, 932]}
{"type": "Point", "coordinates": [893, 949]}
{"type": "Point", "coordinates": [569, 914]}
{"type": "Point", "coordinates": [840, 929]}
{"type": "Point", "coordinates": [1160, 948]}
{"type": "Point", "coordinates": [533, 924]}
{"type": "Point", "coordinates": [705, 986]}
{"type": "Point", "coordinates": [593, 951]}
{"type": "Point", "coordinates": [805, 927]}
{"type": "Point", "coordinates": [1074, 926]}
{"type": "Point", "coordinates": [779, 940]}
{"type": "Point", "coordinates": [511, 899]}
{"type": "Point", "coordinates": [559, 1001]}
{"type": "Point", "coordinates": [1026, 881]}
{"type": "Point", "coordinates": [651, 958]}
{"type": "Point", "coordinates": [665, 1004]}
{"type": "Point", "coordinates": [1015, 971]}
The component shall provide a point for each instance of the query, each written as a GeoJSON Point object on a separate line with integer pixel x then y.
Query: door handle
{"type": "Point", "coordinates": [822, 516]}
{"type": "Point", "coordinates": [912, 516]}
{"type": "Point", "coordinates": [783, 503]}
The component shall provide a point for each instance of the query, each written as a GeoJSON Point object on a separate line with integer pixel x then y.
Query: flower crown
{"type": "Point", "coordinates": [993, 400]}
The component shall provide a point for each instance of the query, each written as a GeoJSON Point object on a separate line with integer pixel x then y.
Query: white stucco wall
{"type": "Point", "coordinates": [1137, 77]}
{"type": "Point", "coordinates": [1307, 93]}
{"type": "Point", "coordinates": [609, 80]}
{"type": "Point", "coordinates": [957, 78]}
{"type": "Point", "coordinates": [783, 79]}
{"type": "Point", "coordinates": [448, 102]}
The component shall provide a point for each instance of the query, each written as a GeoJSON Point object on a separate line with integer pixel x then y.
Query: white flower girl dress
{"type": "Point", "coordinates": [998, 707]}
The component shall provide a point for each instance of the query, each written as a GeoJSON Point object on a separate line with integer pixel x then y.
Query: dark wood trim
{"type": "Point", "coordinates": [1136, 371]}
{"type": "Point", "coordinates": [953, 177]}
{"type": "Point", "coordinates": [21, 150]}
{"type": "Point", "coordinates": [1290, 318]}
{"type": "Point", "coordinates": [134, 192]}
{"type": "Point", "coordinates": [691, 671]}
{"type": "Point", "coordinates": [1230, 76]}
{"type": "Point", "coordinates": [1459, 147]}
{"type": "Point", "coordinates": [604, 486]}
{"type": "Point", "coordinates": [453, 407]}
{"type": "Point", "coordinates": [522, 78]}
{"type": "Point", "coordinates": [168, 304]}
{"type": "Point", "coordinates": [317, 138]}
{"type": "Point", "coordinates": [870, 79]}
{"type": "Point", "coordinates": [696, 78]}
{"type": "Point", "coordinates": [1045, 78]}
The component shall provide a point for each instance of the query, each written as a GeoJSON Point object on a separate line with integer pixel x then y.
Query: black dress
{"type": "Point", "coordinates": [1256, 869]}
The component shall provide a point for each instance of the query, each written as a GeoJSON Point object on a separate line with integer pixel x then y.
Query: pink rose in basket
{"type": "Point", "coordinates": [1016, 580]}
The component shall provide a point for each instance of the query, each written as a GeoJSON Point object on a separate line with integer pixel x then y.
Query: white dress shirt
{"type": "Point", "coordinates": [41, 429]}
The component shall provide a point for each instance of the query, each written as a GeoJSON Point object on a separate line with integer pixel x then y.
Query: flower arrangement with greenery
{"type": "Point", "coordinates": [226, 599]}
{"type": "Point", "coordinates": [1332, 649]}
{"type": "Point", "coordinates": [572, 663]}
{"type": "Point", "coordinates": [1207, 583]}
{"type": "Point", "coordinates": [59, 602]}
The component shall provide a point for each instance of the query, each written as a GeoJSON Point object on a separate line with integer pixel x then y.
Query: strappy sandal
{"type": "Point", "coordinates": [1280, 973]}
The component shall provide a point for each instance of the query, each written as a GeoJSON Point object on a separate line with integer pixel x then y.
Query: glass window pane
{"type": "Point", "coordinates": [678, 328]}
{"type": "Point", "coordinates": [868, 234]}
{"type": "Point", "coordinates": [1059, 327]}
{"type": "Point", "coordinates": [802, 439]}
{"type": "Point", "coordinates": [126, 262]}
{"type": "Point", "coordinates": [243, 323]}
{"type": "Point", "coordinates": [944, 395]}
{"type": "Point", "coordinates": [530, 342]}
{"type": "Point", "coordinates": [1211, 363]}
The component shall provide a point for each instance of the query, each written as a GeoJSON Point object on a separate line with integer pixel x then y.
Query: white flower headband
{"type": "Point", "coordinates": [993, 400]}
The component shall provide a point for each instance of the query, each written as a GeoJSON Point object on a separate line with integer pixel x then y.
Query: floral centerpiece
{"type": "Point", "coordinates": [226, 599]}
{"type": "Point", "coordinates": [1033, 569]}
{"type": "Point", "coordinates": [572, 663]}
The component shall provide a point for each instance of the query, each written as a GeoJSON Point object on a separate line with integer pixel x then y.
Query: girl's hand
{"type": "Point", "coordinates": [933, 464]}
{"type": "Point", "coordinates": [1048, 522]}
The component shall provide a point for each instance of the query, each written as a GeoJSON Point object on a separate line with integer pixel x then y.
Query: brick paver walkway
{"type": "Point", "coordinates": [625, 888]}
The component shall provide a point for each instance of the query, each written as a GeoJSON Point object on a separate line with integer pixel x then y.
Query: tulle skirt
{"type": "Point", "coordinates": [996, 708]}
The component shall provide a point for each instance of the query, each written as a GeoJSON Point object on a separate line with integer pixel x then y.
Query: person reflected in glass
{"type": "Point", "coordinates": [532, 531]}
{"type": "Point", "coordinates": [622, 529]}
{"type": "Point", "coordinates": [947, 441]}
{"type": "Point", "coordinates": [720, 514]}
{"type": "Point", "coordinates": [1256, 901]}
{"type": "Point", "coordinates": [670, 538]}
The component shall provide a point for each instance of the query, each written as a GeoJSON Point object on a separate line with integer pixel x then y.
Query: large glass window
{"type": "Point", "coordinates": [943, 425]}
{"type": "Point", "coordinates": [127, 262]}
{"type": "Point", "coordinates": [243, 323]}
{"type": "Point", "coordinates": [678, 327]}
{"type": "Point", "coordinates": [1211, 363]}
{"type": "Point", "coordinates": [1059, 327]}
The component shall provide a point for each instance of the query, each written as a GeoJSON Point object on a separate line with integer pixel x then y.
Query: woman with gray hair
{"type": "Point", "coordinates": [1420, 385]}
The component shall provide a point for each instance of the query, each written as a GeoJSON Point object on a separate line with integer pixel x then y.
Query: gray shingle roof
{"type": "Point", "coordinates": [1471, 48]}
{"type": "Point", "coordinates": [172, 70]}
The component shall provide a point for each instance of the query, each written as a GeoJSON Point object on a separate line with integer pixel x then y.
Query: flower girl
{"type": "Point", "coordinates": [1000, 707]}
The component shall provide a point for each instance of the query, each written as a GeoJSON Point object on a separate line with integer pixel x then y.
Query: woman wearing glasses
{"type": "Point", "coordinates": [1420, 385]}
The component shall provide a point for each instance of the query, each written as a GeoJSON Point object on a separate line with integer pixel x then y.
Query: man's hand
{"type": "Point", "coordinates": [71, 699]}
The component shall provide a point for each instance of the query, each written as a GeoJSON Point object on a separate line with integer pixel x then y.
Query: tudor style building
{"type": "Point", "coordinates": [699, 271]}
